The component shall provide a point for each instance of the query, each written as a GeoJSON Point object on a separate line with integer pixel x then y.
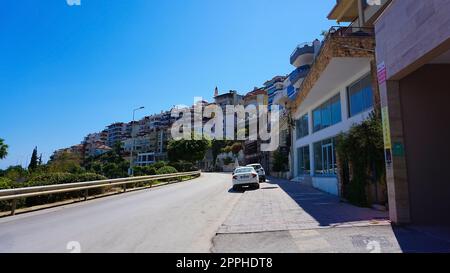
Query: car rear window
{"type": "Point", "coordinates": [257, 167]}
{"type": "Point", "coordinates": [244, 170]}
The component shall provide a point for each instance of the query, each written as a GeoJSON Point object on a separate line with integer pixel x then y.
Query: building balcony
{"type": "Point", "coordinates": [303, 55]}
{"type": "Point", "coordinates": [299, 74]}
{"type": "Point", "coordinates": [344, 52]}
{"type": "Point", "coordinates": [344, 11]}
{"type": "Point", "coordinates": [348, 11]}
{"type": "Point", "coordinates": [349, 32]}
{"type": "Point", "coordinates": [280, 97]}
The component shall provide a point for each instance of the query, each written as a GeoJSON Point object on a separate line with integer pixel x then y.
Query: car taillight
{"type": "Point", "coordinates": [254, 175]}
{"type": "Point", "coordinates": [234, 176]}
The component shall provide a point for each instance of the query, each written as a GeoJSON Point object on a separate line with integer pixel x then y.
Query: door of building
{"type": "Point", "coordinates": [328, 159]}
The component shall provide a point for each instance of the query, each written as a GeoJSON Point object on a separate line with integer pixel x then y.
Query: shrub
{"type": "Point", "coordinates": [166, 170]}
{"type": "Point", "coordinates": [236, 148]}
{"type": "Point", "coordinates": [158, 165]}
{"type": "Point", "coordinates": [84, 177]}
{"type": "Point", "coordinates": [228, 161]}
{"type": "Point", "coordinates": [362, 149]}
{"type": "Point", "coordinates": [115, 170]}
{"type": "Point", "coordinates": [142, 171]}
{"type": "Point", "coordinates": [227, 149]}
{"type": "Point", "coordinates": [16, 173]}
{"type": "Point", "coordinates": [51, 179]}
{"type": "Point", "coordinates": [5, 183]}
{"type": "Point", "coordinates": [183, 166]}
{"type": "Point", "coordinates": [280, 161]}
{"type": "Point", "coordinates": [61, 178]}
{"type": "Point", "coordinates": [138, 170]}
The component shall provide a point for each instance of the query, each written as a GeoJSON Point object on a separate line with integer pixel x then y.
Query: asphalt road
{"type": "Point", "coordinates": [181, 217]}
{"type": "Point", "coordinates": [203, 215]}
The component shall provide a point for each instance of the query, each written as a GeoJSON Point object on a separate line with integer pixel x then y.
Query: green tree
{"type": "Point", "coordinates": [16, 173]}
{"type": "Point", "coordinates": [110, 164]}
{"type": "Point", "coordinates": [65, 162]}
{"type": "Point", "coordinates": [118, 147]}
{"type": "Point", "coordinates": [236, 148]}
{"type": "Point", "coordinates": [40, 160]}
{"type": "Point", "coordinates": [34, 160]}
{"type": "Point", "coordinates": [217, 147]}
{"type": "Point", "coordinates": [280, 161]}
{"type": "Point", "coordinates": [188, 150]}
{"type": "Point", "coordinates": [3, 149]}
{"type": "Point", "coordinates": [166, 170]}
{"type": "Point", "coordinates": [362, 148]}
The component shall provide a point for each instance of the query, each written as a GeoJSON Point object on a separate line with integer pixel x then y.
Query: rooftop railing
{"type": "Point", "coordinates": [337, 31]}
{"type": "Point", "coordinates": [300, 50]}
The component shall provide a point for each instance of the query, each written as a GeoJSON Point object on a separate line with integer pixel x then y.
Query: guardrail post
{"type": "Point", "coordinates": [13, 206]}
{"type": "Point", "coordinates": [86, 193]}
{"type": "Point", "coordinates": [124, 187]}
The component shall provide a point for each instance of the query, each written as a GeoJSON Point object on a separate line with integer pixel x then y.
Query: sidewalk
{"type": "Point", "coordinates": [288, 217]}
{"type": "Point", "coordinates": [284, 205]}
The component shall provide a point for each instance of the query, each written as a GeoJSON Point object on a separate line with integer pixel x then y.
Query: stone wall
{"type": "Point", "coordinates": [408, 32]}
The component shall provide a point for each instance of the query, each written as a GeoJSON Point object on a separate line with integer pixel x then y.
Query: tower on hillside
{"type": "Point", "coordinates": [216, 92]}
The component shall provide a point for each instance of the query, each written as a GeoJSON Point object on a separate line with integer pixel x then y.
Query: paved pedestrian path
{"type": "Point", "coordinates": [282, 205]}
{"type": "Point", "coordinates": [288, 217]}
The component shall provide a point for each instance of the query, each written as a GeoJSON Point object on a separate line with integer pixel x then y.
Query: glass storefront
{"type": "Point", "coordinates": [325, 157]}
{"type": "Point", "coordinates": [327, 114]}
{"type": "Point", "coordinates": [304, 166]}
{"type": "Point", "coordinates": [302, 128]}
{"type": "Point", "coordinates": [360, 96]}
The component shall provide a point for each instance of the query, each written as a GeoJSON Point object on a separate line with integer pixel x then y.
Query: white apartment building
{"type": "Point", "coordinates": [323, 115]}
{"type": "Point", "coordinates": [339, 91]}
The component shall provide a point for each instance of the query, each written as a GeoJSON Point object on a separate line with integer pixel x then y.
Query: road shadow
{"type": "Point", "coordinates": [326, 209]}
{"type": "Point", "coordinates": [242, 189]}
{"type": "Point", "coordinates": [423, 239]}
{"type": "Point", "coordinates": [329, 210]}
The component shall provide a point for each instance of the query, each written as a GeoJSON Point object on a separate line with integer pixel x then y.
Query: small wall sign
{"type": "Point", "coordinates": [398, 149]}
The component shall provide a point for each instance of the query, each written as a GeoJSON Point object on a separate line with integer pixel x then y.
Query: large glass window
{"type": "Point", "coordinates": [302, 126]}
{"type": "Point", "coordinates": [327, 114]}
{"type": "Point", "coordinates": [360, 96]}
{"type": "Point", "coordinates": [325, 157]}
{"type": "Point", "coordinates": [304, 166]}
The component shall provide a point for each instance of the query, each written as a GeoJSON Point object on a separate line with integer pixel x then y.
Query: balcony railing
{"type": "Point", "coordinates": [337, 31]}
{"type": "Point", "coordinates": [301, 49]}
{"type": "Point", "coordinates": [299, 73]}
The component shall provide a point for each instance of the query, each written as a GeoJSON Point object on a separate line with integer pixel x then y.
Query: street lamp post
{"type": "Point", "coordinates": [130, 171]}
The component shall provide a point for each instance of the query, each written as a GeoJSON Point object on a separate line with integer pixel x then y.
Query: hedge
{"type": "Point", "coordinates": [5, 183]}
{"type": "Point", "coordinates": [61, 178]}
{"type": "Point", "coordinates": [183, 166]}
{"type": "Point", "coordinates": [166, 170]}
{"type": "Point", "coordinates": [142, 171]}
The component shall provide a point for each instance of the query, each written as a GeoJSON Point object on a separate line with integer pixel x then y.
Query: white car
{"type": "Point", "coordinates": [260, 170]}
{"type": "Point", "coordinates": [245, 176]}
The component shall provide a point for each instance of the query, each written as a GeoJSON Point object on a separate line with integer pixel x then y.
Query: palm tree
{"type": "Point", "coordinates": [3, 149]}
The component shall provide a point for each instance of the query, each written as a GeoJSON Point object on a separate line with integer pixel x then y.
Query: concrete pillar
{"type": "Point", "coordinates": [396, 172]}
{"type": "Point", "coordinates": [311, 145]}
{"type": "Point", "coordinates": [361, 19]}
{"type": "Point", "coordinates": [311, 158]}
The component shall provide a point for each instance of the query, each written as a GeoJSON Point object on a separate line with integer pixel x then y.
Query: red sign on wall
{"type": "Point", "coordinates": [381, 73]}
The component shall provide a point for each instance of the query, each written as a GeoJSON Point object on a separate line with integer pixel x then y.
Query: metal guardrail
{"type": "Point", "coordinates": [18, 193]}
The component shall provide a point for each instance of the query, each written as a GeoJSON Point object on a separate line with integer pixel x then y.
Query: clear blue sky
{"type": "Point", "coordinates": [66, 71]}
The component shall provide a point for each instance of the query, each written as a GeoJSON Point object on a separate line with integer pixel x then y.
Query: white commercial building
{"type": "Point", "coordinates": [341, 97]}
